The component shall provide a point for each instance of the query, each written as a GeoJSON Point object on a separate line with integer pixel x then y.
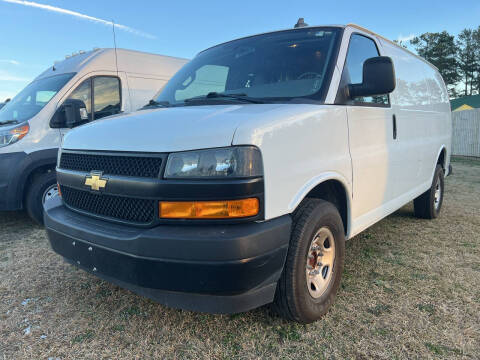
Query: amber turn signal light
{"type": "Point", "coordinates": [226, 209]}
{"type": "Point", "coordinates": [20, 132]}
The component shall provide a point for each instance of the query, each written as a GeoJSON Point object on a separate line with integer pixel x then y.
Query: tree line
{"type": "Point", "coordinates": [456, 57]}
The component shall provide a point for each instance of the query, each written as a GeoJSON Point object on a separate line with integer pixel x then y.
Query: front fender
{"type": "Point", "coordinates": [16, 169]}
{"type": "Point", "coordinates": [317, 180]}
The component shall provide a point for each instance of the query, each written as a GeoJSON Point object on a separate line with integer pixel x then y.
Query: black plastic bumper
{"type": "Point", "coordinates": [211, 268]}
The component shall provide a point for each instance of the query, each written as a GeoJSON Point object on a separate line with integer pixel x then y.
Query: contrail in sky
{"type": "Point", "coordinates": [9, 61]}
{"type": "Point", "coordinates": [81, 16]}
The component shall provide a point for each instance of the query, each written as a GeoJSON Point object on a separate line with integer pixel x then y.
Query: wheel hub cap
{"type": "Point", "coordinates": [320, 261]}
{"type": "Point", "coordinates": [437, 195]}
{"type": "Point", "coordinates": [50, 193]}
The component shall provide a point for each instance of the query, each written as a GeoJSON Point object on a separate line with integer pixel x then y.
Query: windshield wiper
{"type": "Point", "coordinates": [216, 95]}
{"type": "Point", "coordinates": [8, 122]}
{"type": "Point", "coordinates": [153, 103]}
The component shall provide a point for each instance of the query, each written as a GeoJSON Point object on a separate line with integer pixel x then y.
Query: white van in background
{"type": "Point", "coordinates": [94, 84]}
{"type": "Point", "coordinates": [265, 154]}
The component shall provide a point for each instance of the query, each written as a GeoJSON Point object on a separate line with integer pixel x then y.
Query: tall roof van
{"type": "Point", "coordinates": [93, 84]}
{"type": "Point", "coordinates": [261, 156]}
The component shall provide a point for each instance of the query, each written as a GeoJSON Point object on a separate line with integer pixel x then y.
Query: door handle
{"type": "Point", "coordinates": [394, 120]}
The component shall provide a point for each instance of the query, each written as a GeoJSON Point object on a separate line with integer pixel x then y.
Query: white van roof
{"type": "Point", "coordinates": [130, 61]}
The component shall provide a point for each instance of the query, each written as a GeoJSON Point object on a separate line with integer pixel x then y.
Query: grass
{"type": "Point", "coordinates": [87, 335]}
{"type": "Point", "coordinates": [411, 289]}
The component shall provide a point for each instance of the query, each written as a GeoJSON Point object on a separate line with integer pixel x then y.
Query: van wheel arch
{"type": "Point", "coordinates": [39, 181]}
{"type": "Point", "coordinates": [35, 173]}
{"type": "Point", "coordinates": [32, 165]}
{"type": "Point", "coordinates": [335, 193]}
{"type": "Point", "coordinates": [442, 158]}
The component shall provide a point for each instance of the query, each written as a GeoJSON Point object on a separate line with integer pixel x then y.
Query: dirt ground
{"type": "Point", "coordinates": [410, 289]}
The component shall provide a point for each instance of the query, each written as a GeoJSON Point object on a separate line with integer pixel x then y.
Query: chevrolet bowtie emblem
{"type": "Point", "coordinates": [95, 181]}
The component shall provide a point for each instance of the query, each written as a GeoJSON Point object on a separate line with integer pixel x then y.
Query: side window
{"type": "Point", "coordinates": [360, 49]}
{"type": "Point", "coordinates": [206, 79]}
{"type": "Point", "coordinates": [84, 92]}
{"type": "Point", "coordinates": [106, 96]}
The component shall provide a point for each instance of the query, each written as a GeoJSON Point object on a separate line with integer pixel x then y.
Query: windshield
{"type": "Point", "coordinates": [32, 99]}
{"type": "Point", "coordinates": [278, 66]}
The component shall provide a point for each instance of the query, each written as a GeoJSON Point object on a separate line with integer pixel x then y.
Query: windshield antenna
{"type": "Point", "coordinates": [115, 45]}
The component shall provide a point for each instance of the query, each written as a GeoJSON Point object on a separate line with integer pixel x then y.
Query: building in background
{"type": "Point", "coordinates": [465, 103]}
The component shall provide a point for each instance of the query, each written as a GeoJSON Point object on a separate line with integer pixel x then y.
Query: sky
{"type": "Point", "coordinates": [37, 33]}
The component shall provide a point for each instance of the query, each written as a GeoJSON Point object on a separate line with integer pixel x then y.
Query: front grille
{"type": "Point", "coordinates": [141, 211]}
{"type": "Point", "coordinates": [139, 166]}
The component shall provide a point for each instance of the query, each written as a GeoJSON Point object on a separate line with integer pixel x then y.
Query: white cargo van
{"type": "Point", "coordinates": [263, 156]}
{"type": "Point", "coordinates": [91, 85]}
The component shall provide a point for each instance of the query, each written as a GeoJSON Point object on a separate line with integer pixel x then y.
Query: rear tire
{"type": "Point", "coordinates": [43, 186]}
{"type": "Point", "coordinates": [429, 204]}
{"type": "Point", "coordinates": [297, 296]}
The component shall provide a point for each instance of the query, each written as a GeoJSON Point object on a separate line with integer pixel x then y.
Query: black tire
{"type": "Point", "coordinates": [36, 192]}
{"type": "Point", "coordinates": [426, 205]}
{"type": "Point", "coordinates": [293, 300]}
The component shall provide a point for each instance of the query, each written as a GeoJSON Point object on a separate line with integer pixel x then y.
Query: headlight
{"type": "Point", "coordinates": [231, 162]}
{"type": "Point", "coordinates": [11, 136]}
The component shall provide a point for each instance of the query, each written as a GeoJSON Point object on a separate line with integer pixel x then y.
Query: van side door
{"type": "Point", "coordinates": [415, 133]}
{"type": "Point", "coordinates": [102, 96]}
{"type": "Point", "coordinates": [370, 136]}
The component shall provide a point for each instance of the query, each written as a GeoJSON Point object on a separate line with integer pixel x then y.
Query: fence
{"type": "Point", "coordinates": [466, 133]}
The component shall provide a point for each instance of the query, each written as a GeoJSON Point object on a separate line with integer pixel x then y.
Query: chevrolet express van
{"type": "Point", "coordinates": [94, 84]}
{"type": "Point", "coordinates": [241, 183]}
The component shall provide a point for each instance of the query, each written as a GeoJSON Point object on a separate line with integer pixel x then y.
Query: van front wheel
{"type": "Point", "coordinates": [429, 204]}
{"type": "Point", "coordinates": [43, 187]}
{"type": "Point", "coordinates": [312, 272]}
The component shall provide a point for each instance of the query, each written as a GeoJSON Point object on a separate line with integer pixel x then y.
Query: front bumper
{"type": "Point", "coordinates": [209, 268]}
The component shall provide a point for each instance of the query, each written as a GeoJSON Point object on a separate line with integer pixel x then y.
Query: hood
{"type": "Point", "coordinates": [167, 129]}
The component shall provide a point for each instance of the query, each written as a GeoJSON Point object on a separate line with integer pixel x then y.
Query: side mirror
{"type": "Point", "coordinates": [378, 78]}
{"type": "Point", "coordinates": [71, 113]}
{"type": "Point", "coordinates": [7, 100]}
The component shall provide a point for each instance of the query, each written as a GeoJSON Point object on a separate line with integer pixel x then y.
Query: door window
{"type": "Point", "coordinates": [83, 92]}
{"type": "Point", "coordinates": [360, 49]}
{"type": "Point", "coordinates": [101, 91]}
{"type": "Point", "coordinates": [106, 96]}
